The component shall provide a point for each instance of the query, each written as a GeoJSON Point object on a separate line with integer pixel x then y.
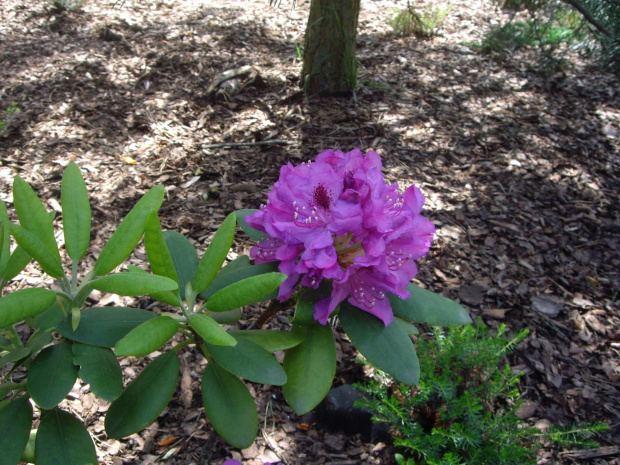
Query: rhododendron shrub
{"type": "Point", "coordinates": [347, 242]}
{"type": "Point", "coordinates": [333, 239]}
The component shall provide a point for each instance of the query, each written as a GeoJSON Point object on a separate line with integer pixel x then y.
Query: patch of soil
{"type": "Point", "coordinates": [520, 170]}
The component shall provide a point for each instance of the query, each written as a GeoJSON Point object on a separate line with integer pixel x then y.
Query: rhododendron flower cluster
{"type": "Point", "coordinates": [335, 218]}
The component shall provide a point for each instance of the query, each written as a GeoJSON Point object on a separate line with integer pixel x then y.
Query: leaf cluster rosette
{"type": "Point", "coordinates": [337, 219]}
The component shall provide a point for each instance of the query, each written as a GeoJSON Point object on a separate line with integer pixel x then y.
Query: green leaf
{"type": "Point", "coordinates": [129, 232]}
{"type": "Point", "coordinates": [28, 454]}
{"type": "Point", "coordinates": [99, 367]}
{"type": "Point", "coordinates": [15, 424]}
{"type": "Point", "coordinates": [5, 388]}
{"type": "Point", "coordinates": [75, 318]}
{"type": "Point", "coordinates": [270, 340]}
{"type": "Point", "coordinates": [48, 260]}
{"type": "Point", "coordinates": [104, 326]}
{"type": "Point", "coordinates": [424, 306]}
{"type": "Point", "coordinates": [230, 406]}
{"type": "Point", "coordinates": [210, 330]}
{"type": "Point", "coordinates": [237, 264]}
{"type": "Point", "coordinates": [408, 327]}
{"type": "Point", "coordinates": [52, 375]}
{"type": "Point", "coordinates": [5, 238]}
{"type": "Point", "coordinates": [157, 250]}
{"type": "Point", "coordinates": [184, 257]}
{"type": "Point", "coordinates": [227, 318]}
{"type": "Point", "coordinates": [245, 292]}
{"type": "Point", "coordinates": [33, 216]}
{"type": "Point", "coordinates": [17, 262]}
{"type": "Point", "coordinates": [250, 231]}
{"type": "Point", "coordinates": [310, 367]}
{"type": "Point", "coordinates": [14, 356]}
{"type": "Point", "coordinates": [169, 297]}
{"type": "Point", "coordinates": [144, 398]}
{"type": "Point", "coordinates": [236, 271]}
{"type": "Point", "coordinates": [39, 340]}
{"type": "Point", "coordinates": [388, 348]}
{"type": "Point", "coordinates": [308, 298]}
{"type": "Point", "coordinates": [130, 283]}
{"type": "Point", "coordinates": [22, 304]}
{"type": "Point", "coordinates": [63, 439]}
{"type": "Point", "coordinates": [48, 319]}
{"type": "Point", "coordinates": [76, 215]}
{"type": "Point", "coordinates": [147, 338]}
{"type": "Point", "coordinates": [215, 254]}
{"type": "Point", "coordinates": [250, 361]}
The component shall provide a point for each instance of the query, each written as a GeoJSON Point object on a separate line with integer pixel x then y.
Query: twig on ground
{"type": "Point", "coordinates": [247, 144]}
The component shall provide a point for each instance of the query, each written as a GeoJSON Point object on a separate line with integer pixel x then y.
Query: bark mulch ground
{"type": "Point", "coordinates": [520, 169]}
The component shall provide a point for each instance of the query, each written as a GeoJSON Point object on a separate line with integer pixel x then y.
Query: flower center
{"type": "Point", "coordinates": [346, 250]}
{"type": "Point", "coordinates": [321, 197]}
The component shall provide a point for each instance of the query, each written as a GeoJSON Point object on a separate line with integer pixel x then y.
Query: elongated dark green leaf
{"type": "Point", "coordinates": [48, 259]}
{"type": "Point", "coordinates": [310, 367]}
{"type": "Point", "coordinates": [409, 328]}
{"type": "Point", "coordinates": [15, 423]}
{"type": "Point", "coordinates": [38, 341]}
{"type": "Point", "coordinates": [32, 214]}
{"type": "Point", "coordinates": [5, 238]}
{"type": "Point", "coordinates": [270, 340]}
{"type": "Point", "coordinates": [235, 265]}
{"type": "Point", "coordinates": [227, 318]}
{"type": "Point", "coordinates": [16, 355]}
{"type": "Point", "coordinates": [130, 283]}
{"type": "Point", "coordinates": [234, 272]}
{"type": "Point", "coordinates": [144, 398]}
{"type": "Point", "coordinates": [99, 368]}
{"type": "Point", "coordinates": [253, 233]}
{"type": "Point", "coordinates": [104, 326]}
{"type": "Point", "coordinates": [52, 375]}
{"type": "Point", "coordinates": [230, 406]}
{"type": "Point", "coordinates": [424, 306]}
{"type": "Point", "coordinates": [129, 232]}
{"type": "Point", "coordinates": [245, 292]}
{"type": "Point", "coordinates": [250, 361]}
{"type": "Point", "coordinates": [157, 250]}
{"type": "Point", "coordinates": [63, 439]}
{"type": "Point", "coordinates": [304, 310]}
{"type": "Point", "coordinates": [22, 304]}
{"type": "Point", "coordinates": [76, 215]}
{"type": "Point", "coordinates": [169, 297]}
{"type": "Point", "coordinates": [5, 388]}
{"type": "Point", "coordinates": [17, 262]}
{"type": "Point", "coordinates": [388, 348]}
{"type": "Point", "coordinates": [147, 338]}
{"type": "Point", "coordinates": [47, 319]}
{"type": "Point", "coordinates": [210, 330]}
{"type": "Point", "coordinates": [215, 254]}
{"type": "Point", "coordinates": [184, 257]}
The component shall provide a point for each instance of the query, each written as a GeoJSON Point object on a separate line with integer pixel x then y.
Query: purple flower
{"type": "Point", "coordinates": [336, 219]}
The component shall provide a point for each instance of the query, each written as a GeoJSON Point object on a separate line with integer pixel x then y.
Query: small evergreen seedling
{"type": "Point", "coordinates": [463, 410]}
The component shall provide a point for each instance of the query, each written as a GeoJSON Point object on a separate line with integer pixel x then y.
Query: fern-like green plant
{"type": "Point", "coordinates": [463, 410]}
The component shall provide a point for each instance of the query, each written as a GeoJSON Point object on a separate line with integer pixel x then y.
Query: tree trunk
{"type": "Point", "coordinates": [330, 63]}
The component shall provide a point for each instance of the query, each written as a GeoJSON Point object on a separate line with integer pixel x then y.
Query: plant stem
{"type": "Point", "coordinates": [180, 345]}
{"type": "Point", "coordinates": [274, 307]}
{"type": "Point", "coordinates": [17, 341]}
